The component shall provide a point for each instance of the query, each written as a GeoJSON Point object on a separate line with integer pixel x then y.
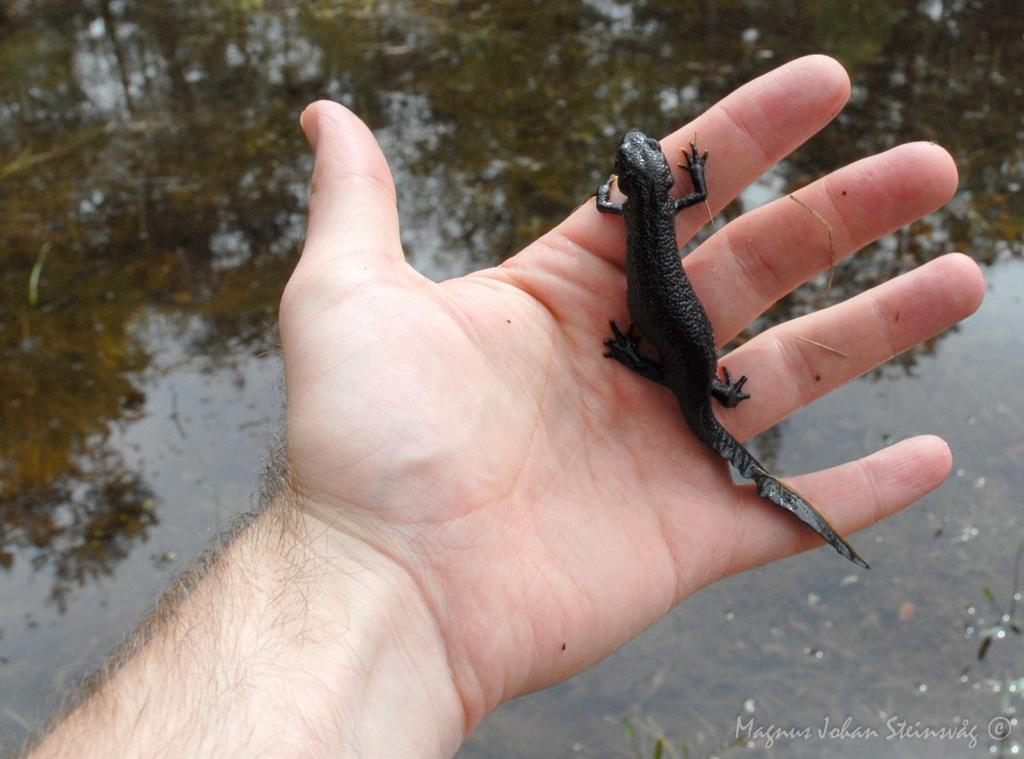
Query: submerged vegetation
{"type": "Point", "coordinates": [151, 169]}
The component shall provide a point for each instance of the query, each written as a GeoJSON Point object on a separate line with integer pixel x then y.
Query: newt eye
{"type": "Point", "coordinates": [653, 143]}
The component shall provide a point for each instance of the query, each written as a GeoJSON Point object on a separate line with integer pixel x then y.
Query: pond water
{"type": "Point", "coordinates": [152, 189]}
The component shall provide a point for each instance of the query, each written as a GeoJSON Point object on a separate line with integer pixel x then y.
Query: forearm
{"type": "Point", "coordinates": [299, 642]}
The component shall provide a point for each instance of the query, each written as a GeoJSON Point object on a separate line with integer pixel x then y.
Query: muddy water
{"type": "Point", "coordinates": [152, 190]}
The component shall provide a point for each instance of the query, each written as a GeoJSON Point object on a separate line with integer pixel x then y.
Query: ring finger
{"type": "Point", "coordinates": [794, 363]}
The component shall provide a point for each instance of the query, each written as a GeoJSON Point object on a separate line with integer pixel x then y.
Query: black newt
{"type": "Point", "coordinates": [667, 313]}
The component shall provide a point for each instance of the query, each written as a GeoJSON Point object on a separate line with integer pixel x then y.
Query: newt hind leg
{"type": "Point", "coordinates": [624, 347]}
{"type": "Point", "coordinates": [730, 394]}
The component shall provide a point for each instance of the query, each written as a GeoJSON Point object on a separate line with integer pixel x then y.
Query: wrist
{"type": "Point", "coordinates": [299, 641]}
{"type": "Point", "coordinates": [379, 643]}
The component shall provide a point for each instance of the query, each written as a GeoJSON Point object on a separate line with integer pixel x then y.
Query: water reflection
{"type": "Point", "coordinates": [151, 169]}
{"type": "Point", "coordinates": [152, 165]}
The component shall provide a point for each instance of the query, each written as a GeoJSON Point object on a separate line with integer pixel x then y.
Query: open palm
{"type": "Point", "coordinates": [548, 503]}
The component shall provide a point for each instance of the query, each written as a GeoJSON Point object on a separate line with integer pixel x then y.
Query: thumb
{"type": "Point", "coordinates": [353, 213]}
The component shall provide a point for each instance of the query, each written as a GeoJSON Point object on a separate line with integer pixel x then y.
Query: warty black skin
{"type": "Point", "coordinates": [667, 313]}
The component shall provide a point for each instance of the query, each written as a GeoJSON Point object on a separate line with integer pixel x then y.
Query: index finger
{"type": "Point", "coordinates": [746, 133]}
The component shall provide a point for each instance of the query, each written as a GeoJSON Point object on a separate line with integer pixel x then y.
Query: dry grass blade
{"type": "Point", "coordinates": [831, 244]}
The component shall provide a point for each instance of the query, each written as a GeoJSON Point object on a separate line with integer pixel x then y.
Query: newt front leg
{"type": "Point", "coordinates": [604, 201]}
{"type": "Point", "coordinates": [695, 167]}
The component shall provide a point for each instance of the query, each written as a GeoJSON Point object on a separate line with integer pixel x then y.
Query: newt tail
{"type": "Point", "coordinates": [771, 488]}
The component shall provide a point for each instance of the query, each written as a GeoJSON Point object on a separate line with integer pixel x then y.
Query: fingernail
{"type": "Point", "coordinates": [308, 123]}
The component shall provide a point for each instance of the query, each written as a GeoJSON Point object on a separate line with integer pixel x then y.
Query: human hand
{"type": "Point", "coordinates": [546, 503]}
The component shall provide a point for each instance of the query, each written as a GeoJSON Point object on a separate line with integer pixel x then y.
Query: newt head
{"type": "Point", "coordinates": [641, 166]}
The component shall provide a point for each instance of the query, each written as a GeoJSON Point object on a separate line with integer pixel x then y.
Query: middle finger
{"type": "Point", "coordinates": [759, 257]}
